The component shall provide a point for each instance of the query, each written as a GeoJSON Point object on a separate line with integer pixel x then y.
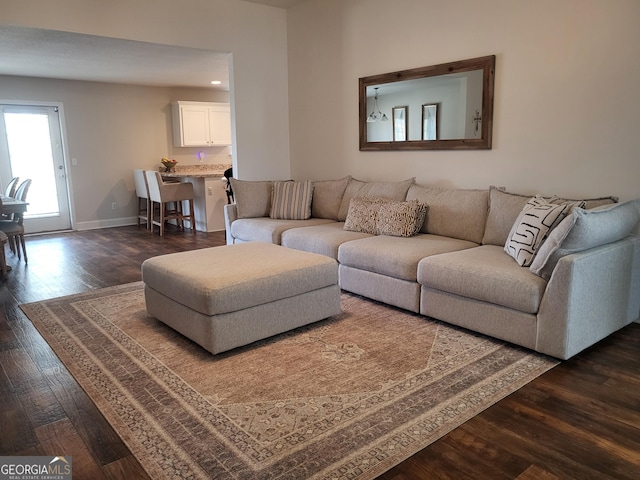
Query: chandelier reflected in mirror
{"type": "Point", "coordinates": [376, 114]}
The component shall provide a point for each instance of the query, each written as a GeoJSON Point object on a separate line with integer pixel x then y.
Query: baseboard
{"type": "Point", "coordinates": [115, 222]}
{"type": "Point", "coordinates": [112, 222]}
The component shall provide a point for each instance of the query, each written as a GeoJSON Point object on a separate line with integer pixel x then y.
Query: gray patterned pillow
{"type": "Point", "coordinates": [400, 219]}
{"type": "Point", "coordinates": [537, 219]}
{"type": "Point", "coordinates": [362, 214]}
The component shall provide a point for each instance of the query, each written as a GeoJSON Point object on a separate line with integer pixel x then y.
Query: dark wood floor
{"type": "Point", "coordinates": [581, 420]}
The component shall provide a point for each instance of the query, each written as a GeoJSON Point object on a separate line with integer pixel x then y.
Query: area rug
{"type": "Point", "coordinates": [345, 398]}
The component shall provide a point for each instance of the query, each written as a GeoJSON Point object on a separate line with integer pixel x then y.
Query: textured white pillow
{"type": "Point", "coordinates": [537, 219]}
{"type": "Point", "coordinates": [291, 200]}
{"type": "Point", "coordinates": [362, 215]}
{"type": "Point", "coordinates": [400, 219]}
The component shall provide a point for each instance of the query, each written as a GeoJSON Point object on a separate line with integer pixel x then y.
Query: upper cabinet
{"type": "Point", "coordinates": [201, 124]}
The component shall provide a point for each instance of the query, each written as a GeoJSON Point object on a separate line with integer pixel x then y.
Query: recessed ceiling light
{"type": "Point", "coordinates": [216, 82]}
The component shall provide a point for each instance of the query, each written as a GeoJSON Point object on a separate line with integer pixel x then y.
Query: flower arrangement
{"type": "Point", "coordinates": [168, 165]}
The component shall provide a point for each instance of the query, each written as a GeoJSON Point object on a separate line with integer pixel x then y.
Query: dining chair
{"type": "Point", "coordinates": [166, 193]}
{"type": "Point", "coordinates": [14, 228]}
{"type": "Point", "coordinates": [10, 190]}
{"type": "Point", "coordinates": [3, 259]}
{"type": "Point", "coordinates": [144, 204]}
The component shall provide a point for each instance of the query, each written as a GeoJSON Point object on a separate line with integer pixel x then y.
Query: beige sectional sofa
{"type": "Point", "coordinates": [578, 286]}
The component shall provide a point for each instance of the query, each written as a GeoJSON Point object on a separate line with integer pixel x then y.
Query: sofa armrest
{"type": "Point", "coordinates": [590, 295]}
{"type": "Point", "coordinates": [230, 215]}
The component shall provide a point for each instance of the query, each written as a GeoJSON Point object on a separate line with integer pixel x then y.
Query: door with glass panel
{"type": "Point", "coordinates": [31, 147]}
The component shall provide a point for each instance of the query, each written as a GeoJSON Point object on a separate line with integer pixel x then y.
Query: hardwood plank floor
{"type": "Point", "coordinates": [581, 420]}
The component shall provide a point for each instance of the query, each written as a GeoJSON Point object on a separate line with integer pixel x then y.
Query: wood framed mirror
{"type": "Point", "coordinates": [462, 91]}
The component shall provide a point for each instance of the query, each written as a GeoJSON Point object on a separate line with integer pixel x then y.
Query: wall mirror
{"type": "Point", "coordinates": [445, 107]}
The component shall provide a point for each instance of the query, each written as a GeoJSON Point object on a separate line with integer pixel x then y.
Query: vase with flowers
{"type": "Point", "coordinates": [169, 165]}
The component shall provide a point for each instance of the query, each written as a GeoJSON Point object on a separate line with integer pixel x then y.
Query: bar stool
{"type": "Point", "coordinates": [164, 193]}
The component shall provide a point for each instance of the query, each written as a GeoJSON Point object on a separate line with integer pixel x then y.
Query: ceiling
{"type": "Point", "coordinates": [55, 54]}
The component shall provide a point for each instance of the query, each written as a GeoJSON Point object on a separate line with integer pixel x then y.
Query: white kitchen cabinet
{"type": "Point", "coordinates": [201, 124]}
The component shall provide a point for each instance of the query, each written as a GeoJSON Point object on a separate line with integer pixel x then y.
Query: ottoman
{"type": "Point", "coordinates": [229, 296]}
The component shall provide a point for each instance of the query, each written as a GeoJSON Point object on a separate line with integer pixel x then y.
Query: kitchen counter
{"type": "Point", "coordinates": [197, 171]}
{"type": "Point", "coordinates": [210, 196]}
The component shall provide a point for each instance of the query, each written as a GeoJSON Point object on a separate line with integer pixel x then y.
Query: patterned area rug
{"type": "Point", "coordinates": [348, 397]}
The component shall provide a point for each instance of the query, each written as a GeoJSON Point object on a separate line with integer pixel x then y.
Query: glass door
{"type": "Point", "coordinates": [31, 147]}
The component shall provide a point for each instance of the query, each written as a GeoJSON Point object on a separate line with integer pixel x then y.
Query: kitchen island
{"type": "Point", "coordinates": [208, 188]}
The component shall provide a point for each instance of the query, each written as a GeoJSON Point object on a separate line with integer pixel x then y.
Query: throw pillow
{"type": "Point", "coordinates": [291, 200]}
{"type": "Point", "coordinates": [537, 218]}
{"type": "Point", "coordinates": [327, 197]}
{"type": "Point", "coordinates": [584, 229]}
{"type": "Point", "coordinates": [400, 219]}
{"type": "Point", "coordinates": [253, 199]}
{"type": "Point", "coordinates": [363, 214]}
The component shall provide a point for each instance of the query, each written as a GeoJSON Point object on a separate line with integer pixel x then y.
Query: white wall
{"type": "Point", "coordinates": [567, 109]}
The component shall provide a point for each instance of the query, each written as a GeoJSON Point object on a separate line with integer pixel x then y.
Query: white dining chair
{"type": "Point", "coordinates": [12, 186]}
{"type": "Point", "coordinates": [13, 227]}
{"type": "Point", "coordinates": [166, 193]}
{"type": "Point", "coordinates": [142, 192]}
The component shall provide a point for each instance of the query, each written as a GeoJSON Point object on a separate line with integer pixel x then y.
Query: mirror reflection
{"type": "Point", "coordinates": [446, 106]}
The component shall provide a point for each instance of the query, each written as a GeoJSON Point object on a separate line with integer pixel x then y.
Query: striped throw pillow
{"type": "Point", "coordinates": [291, 200]}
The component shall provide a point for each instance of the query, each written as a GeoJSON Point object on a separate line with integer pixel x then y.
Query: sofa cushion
{"type": "Point", "coordinates": [584, 229]}
{"type": "Point", "coordinates": [504, 208]}
{"type": "Point", "coordinates": [291, 200]}
{"type": "Point", "coordinates": [327, 197]}
{"type": "Point", "coordinates": [589, 203]}
{"type": "Point", "coordinates": [388, 190]}
{"type": "Point", "coordinates": [456, 213]}
{"type": "Point", "coordinates": [363, 213]}
{"type": "Point", "coordinates": [324, 239]}
{"type": "Point", "coordinates": [395, 256]}
{"type": "Point", "coordinates": [253, 199]}
{"type": "Point", "coordinates": [485, 273]}
{"type": "Point", "coordinates": [400, 219]}
{"type": "Point", "coordinates": [537, 219]}
{"type": "Point", "coordinates": [267, 229]}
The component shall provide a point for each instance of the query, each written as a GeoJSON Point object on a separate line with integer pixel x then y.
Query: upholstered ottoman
{"type": "Point", "coordinates": [226, 297]}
